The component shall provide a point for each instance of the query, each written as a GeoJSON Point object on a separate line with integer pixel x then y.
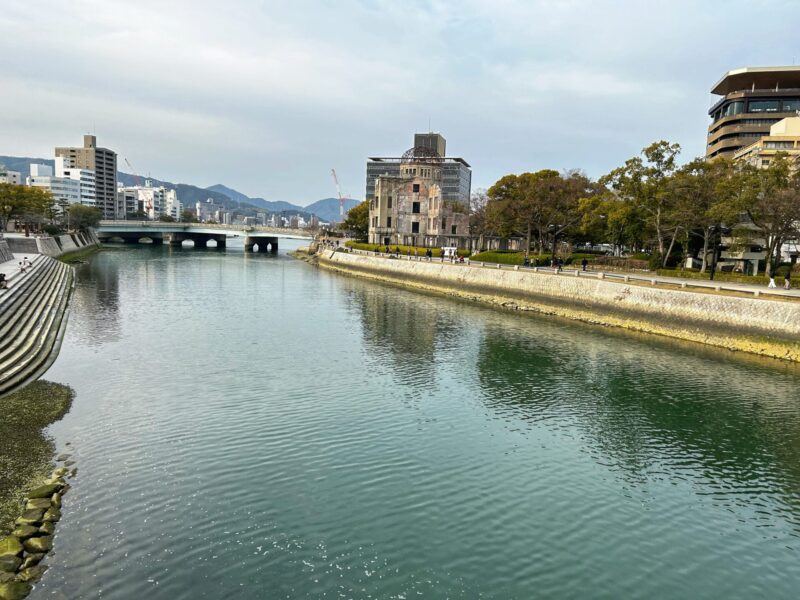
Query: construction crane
{"type": "Point", "coordinates": [341, 198]}
{"type": "Point", "coordinates": [138, 182]}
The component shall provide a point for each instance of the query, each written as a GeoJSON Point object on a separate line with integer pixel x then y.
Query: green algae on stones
{"type": "Point", "coordinates": [32, 574]}
{"type": "Point", "coordinates": [38, 545]}
{"type": "Point", "coordinates": [48, 528]}
{"type": "Point", "coordinates": [32, 560]}
{"type": "Point", "coordinates": [30, 517]}
{"type": "Point", "coordinates": [15, 590]}
{"type": "Point", "coordinates": [26, 454]}
{"type": "Point", "coordinates": [52, 515]}
{"type": "Point", "coordinates": [44, 492]}
{"type": "Point", "coordinates": [25, 531]}
{"type": "Point", "coordinates": [36, 503]}
{"type": "Point", "coordinates": [10, 546]}
{"type": "Point", "coordinates": [9, 564]}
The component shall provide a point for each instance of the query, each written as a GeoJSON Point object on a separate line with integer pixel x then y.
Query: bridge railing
{"type": "Point", "coordinates": [156, 225]}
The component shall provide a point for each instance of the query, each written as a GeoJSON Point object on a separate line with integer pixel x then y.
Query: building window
{"type": "Point", "coordinates": [791, 105]}
{"type": "Point", "coordinates": [415, 208]}
{"type": "Point", "coordinates": [444, 224]}
{"type": "Point", "coordinates": [763, 106]}
{"type": "Point", "coordinates": [416, 188]}
{"type": "Point", "coordinates": [453, 230]}
{"type": "Point", "coordinates": [388, 221]}
{"type": "Point", "coordinates": [389, 202]}
{"type": "Point", "coordinates": [415, 227]}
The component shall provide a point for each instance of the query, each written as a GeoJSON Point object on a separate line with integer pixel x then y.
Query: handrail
{"type": "Point", "coordinates": [624, 277]}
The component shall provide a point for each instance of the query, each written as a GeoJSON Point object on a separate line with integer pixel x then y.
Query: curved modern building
{"type": "Point", "coordinates": [752, 99]}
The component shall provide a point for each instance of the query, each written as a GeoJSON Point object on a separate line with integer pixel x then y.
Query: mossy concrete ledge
{"type": "Point", "coordinates": [764, 327]}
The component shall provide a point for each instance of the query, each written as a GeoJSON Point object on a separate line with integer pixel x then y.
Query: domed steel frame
{"type": "Point", "coordinates": [421, 154]}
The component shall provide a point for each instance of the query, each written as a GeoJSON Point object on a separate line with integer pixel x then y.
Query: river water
{"type": "Point", "coordinates": [248, 426]}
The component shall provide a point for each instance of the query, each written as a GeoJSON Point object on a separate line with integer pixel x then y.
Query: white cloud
{"type": "Point", "coordinates": [267, 96]}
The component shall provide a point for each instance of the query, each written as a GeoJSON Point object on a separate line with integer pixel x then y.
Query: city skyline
{"type": "Point", "coordinates": [267, 98]}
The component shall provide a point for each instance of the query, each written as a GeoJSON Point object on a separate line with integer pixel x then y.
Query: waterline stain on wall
{"type": "Point", "coordinates": [740, 324]}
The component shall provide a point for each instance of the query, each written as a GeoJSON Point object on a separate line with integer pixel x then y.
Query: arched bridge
{"type": "Point", "coordinates": [264, 239]}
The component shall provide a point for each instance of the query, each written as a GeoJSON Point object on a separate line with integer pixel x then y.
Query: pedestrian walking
{"type": "Point", "coordinates": [584, 262]}
{"type": "Point", "coordinates": [22, 267]}
{"type": "Point", "coordinates": [28, 264]}
{"type": "Point", "coordinates": [771, 283]}
{"type": "Point", "coordinates": [787, 280]}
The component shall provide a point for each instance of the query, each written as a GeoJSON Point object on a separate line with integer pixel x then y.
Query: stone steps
{"type": "Point", "coordinates": [17, 282]}
{"type": "Point", "coordinates": [33, 293]}
{"type": "Point", "coordinates": [33, 315]}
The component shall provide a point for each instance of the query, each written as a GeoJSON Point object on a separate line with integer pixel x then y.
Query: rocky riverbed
{"type": "Point", "coordinates": [30, 490]}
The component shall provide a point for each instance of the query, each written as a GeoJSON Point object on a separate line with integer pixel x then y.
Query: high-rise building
{"type": "Point", "coordinates": [104, 164]}
{"type": "Point", "coordinates": [456, 174]}
{"type": "Point", "coordinates": [752, 100]}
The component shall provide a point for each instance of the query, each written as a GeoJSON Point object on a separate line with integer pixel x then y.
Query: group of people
{"type": "Point", "coordinates": [24, 265]}
{"type": "Point", "coordinates": [787, 281]}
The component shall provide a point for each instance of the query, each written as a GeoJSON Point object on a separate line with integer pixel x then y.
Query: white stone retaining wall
{"type": "Point", "coordinates": [54, 247]}
{"type": "Point", "coordinates": [781, 318]}
{"type": "Point", "coordinates": [5, 252]}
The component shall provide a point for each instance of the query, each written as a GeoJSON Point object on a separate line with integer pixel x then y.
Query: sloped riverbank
{"type": "Point", "coordinates": [742, 324]}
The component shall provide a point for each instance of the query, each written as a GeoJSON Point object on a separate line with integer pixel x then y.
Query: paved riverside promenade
{"type": "Point", "coordinates": [637, 278]}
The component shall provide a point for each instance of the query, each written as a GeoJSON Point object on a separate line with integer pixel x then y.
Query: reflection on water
{"type": "Point", "coordinates": [249, 426]}
{"type": "Point", "coordinates": [735, 432]}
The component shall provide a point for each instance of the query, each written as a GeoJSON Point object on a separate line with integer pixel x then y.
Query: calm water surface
{"type": "Point", "coordinates": [251, 427]}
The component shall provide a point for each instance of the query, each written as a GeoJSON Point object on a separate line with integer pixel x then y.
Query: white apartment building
{"type": "Point", "coordinates": [172, 206]}
{"type": "Point", "coordinates": [152, 201]}
{"type": "Point", "coordinates": [86, 177]}
{"type": "Point", "coordinates": [12, 177]}
{"type": "Point", "coordinates": [63, 189]}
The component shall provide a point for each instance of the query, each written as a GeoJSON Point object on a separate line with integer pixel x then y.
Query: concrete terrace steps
{"type": "Point", "coordinates": [18, 281]}
{"type": "Point", "coordinates": [30, 319]}
{"type": "Point", "coordinates": [33, 315]}
{"type": "Point", "coordinates": [30, 294]}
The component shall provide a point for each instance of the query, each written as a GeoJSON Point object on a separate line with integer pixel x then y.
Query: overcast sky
{"type": "Point", "coordinates": [266, 97]}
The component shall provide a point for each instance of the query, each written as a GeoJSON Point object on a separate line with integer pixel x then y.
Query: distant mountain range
{"type": "Point", "coordinates": [326, 209]}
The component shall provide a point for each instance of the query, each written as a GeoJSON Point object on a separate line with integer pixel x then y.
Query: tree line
{"type": "Point", "coordinates": [651, 203]}
{"type": "Point", "coordinates": [35, 209]}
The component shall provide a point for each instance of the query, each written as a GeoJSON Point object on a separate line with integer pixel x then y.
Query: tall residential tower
{"type": "Point", "coordinates": [104, 164]}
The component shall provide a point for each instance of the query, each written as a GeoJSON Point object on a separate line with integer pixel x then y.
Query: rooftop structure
{"type": "Point", "coordinates": [753, 99]}
{"type": "Point", "coordinates": [456, 174]}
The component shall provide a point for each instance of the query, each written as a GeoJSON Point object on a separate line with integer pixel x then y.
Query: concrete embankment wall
{"type": "Point", "coordinates": [5, 252]}
{"type": "Point", "coordinates": [766, 327]}
{"type": "Point", "coordinates": [53, 246]}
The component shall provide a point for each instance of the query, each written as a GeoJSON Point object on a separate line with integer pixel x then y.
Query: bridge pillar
{"type": "Point", "coordinates": [157, 241]}
{"type": "Point", "coordinates": [200, 242]}
{"type": "Point", "coordinates": [248, 244]}
{"type": "Point", "coordinates": [221, 240]}
{"type": "Point", "coordinates": [176, 239]}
